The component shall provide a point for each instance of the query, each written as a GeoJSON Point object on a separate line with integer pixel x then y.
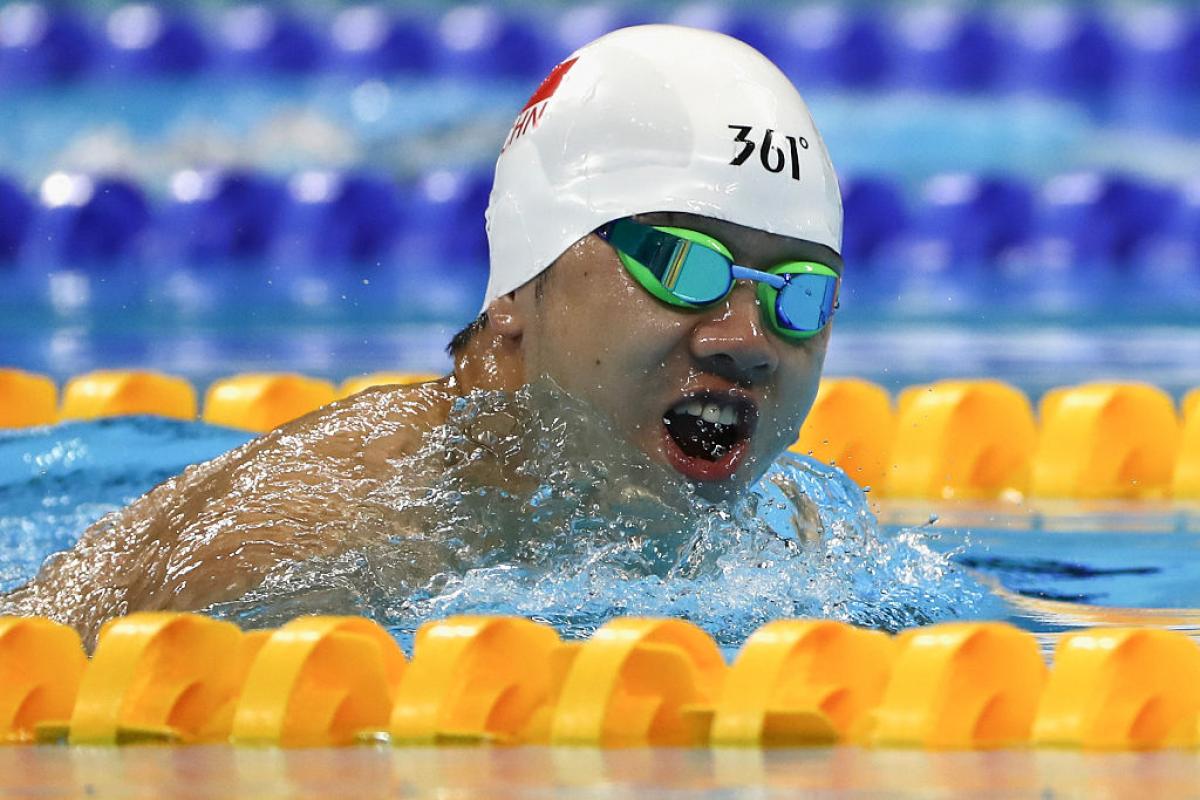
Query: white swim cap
{"type": "Point", "coordinates": [657, 118]}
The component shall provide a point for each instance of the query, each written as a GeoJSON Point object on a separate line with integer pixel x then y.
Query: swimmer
{"type": "Point", "coordinates": [663, 228]}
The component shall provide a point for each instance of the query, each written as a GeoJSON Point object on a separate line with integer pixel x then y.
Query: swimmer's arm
{"type": "Point", "coordinates": [122, 563]}
{"type": "Point", "coordinates": [296, 495]}
{"type": "Point", "coordinates": [215, 531]}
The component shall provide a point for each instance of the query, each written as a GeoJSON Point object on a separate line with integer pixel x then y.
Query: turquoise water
{"type": "Point", "coordinates": [583, 537]}
{"type": "Point", "coordinates": [585, 554]}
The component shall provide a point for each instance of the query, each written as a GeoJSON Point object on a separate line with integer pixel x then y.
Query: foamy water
{"type": "Point", "coordinates": [529, 505]}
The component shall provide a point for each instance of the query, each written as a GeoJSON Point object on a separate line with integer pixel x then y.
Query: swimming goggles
{"type": "Point", "coordinates": [691, 270]}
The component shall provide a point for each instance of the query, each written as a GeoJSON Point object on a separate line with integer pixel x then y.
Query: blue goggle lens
{"type": "Point", "coordinates": [806, 303]}
{"type": "Point", "coordinates": [702, 275]}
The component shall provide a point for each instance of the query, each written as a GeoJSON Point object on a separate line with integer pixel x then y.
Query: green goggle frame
{"type": "Point", "coordinates": [692, 270]}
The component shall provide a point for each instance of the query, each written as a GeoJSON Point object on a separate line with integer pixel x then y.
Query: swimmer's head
{"type": "Point", "coordinates": [657, 118]}
{"type": "Point", "coordinates": [674, 127]}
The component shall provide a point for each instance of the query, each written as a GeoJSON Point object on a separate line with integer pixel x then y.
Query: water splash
{"type": "Point", "coordinates": [527, 504]}
{"type": "Point", "coordinates": [56, 481]}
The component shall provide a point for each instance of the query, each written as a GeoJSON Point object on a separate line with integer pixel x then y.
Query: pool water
{"type": "Point", "coordinates": [549, 516]}
{"type": "Point", "coordinates": [1047, 569]}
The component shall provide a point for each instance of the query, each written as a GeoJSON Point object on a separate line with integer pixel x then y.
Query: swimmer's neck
{"type": "Point", "coordinates": [490, 361]}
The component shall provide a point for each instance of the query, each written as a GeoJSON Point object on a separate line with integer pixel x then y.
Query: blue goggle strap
{"type": "Point", "coordinates": [758, 276]}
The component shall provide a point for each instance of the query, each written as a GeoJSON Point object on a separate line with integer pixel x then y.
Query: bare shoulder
{"type": "Point", "coordinates": [378, 422]}
{"type": "Point", "coordinates": [305, 477]}
{"type": "Point", "coordinates": [214, 531]}
{"type": "Point", "coordinates": [332, 454]}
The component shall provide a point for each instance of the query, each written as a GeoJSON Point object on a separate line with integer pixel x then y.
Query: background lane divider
{"type": "Point", "coordinates": [261, 401]}
{"type": "Point", "coordinates": [961, 440]}
{"type": "Point", "coordinates": [851, 424]}
{"type": "Point", "coordinates": [1105, 440]}
{"type": "Point", "coordinates": [27, 399]}
{"type": "Point", "coordinates": [1185, 481]}
{"type": "Point", "coordinates": [116, 393]}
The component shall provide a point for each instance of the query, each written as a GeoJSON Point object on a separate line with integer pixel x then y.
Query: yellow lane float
{"type": "Point", "coordinates": [260, 402]}
{"type": "Point", "coordinates": [476, 680]}
{"type": "Point", "coordinates": [158, 676]}
{"type": "Point", "coordinates": [1121, 689]}
{"type": "Point", "coordinates": [639, 682]}
{"type": "Point", "coordinates": [26, 399]}
{"type": "Point", "coordinates": [960, 685]}
{"type": "Point", "coordinates": [963, 440]}
{"type": "Point", "coordinates": [176, 678]}
{"type": "Point", "coordinates": [115, 393]}
{"type": "Point", "coordinates": [1185, 481]}
{"type": "Point", "coordinates": [1191, 403]}
{"type": "Point", "coordinates": [319, 681]}
{"type": "Point", "coordinates": [1105, 440]}
{"type": "Point", "coordinates": [851, 425]}
{"type": "Point", "coordinates": [801, 682]}
{"type": "Point", "coordinates": [41, 665]}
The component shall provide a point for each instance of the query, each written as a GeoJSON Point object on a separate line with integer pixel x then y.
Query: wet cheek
{"type": "Point", "coordinates": [800, 369]}
{"type": "Point", "coordinates": [794, 393]}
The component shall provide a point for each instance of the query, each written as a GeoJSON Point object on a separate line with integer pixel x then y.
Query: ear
{"type": "Point", "coordinates": [506, 316]}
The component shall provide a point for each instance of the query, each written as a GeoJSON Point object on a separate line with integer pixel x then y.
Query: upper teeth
{"type": "Point", "coordinates": [720, 413]}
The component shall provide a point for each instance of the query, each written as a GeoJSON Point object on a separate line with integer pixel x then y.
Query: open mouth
{"type": "Point", "coordinates": [707, 434]}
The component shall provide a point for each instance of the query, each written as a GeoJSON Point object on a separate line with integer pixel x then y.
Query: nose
{"type": "Point", "coordinates": [731, 340]}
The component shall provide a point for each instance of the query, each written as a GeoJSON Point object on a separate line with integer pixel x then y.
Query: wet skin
{"type": "Point", "coordinates": [603, 338]}
{"type": "Point", "coordinates": [215, 531]}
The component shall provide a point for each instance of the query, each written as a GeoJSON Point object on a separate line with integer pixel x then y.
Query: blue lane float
{"type": "Point", "coordinates": [1055, 49]}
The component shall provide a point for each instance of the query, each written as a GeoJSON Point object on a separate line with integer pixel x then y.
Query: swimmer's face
{"type": "Point", "coordinates": [657, 371]}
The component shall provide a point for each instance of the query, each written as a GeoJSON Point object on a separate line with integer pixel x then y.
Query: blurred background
{"type": "Point", "coordinates": [209, 188]}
